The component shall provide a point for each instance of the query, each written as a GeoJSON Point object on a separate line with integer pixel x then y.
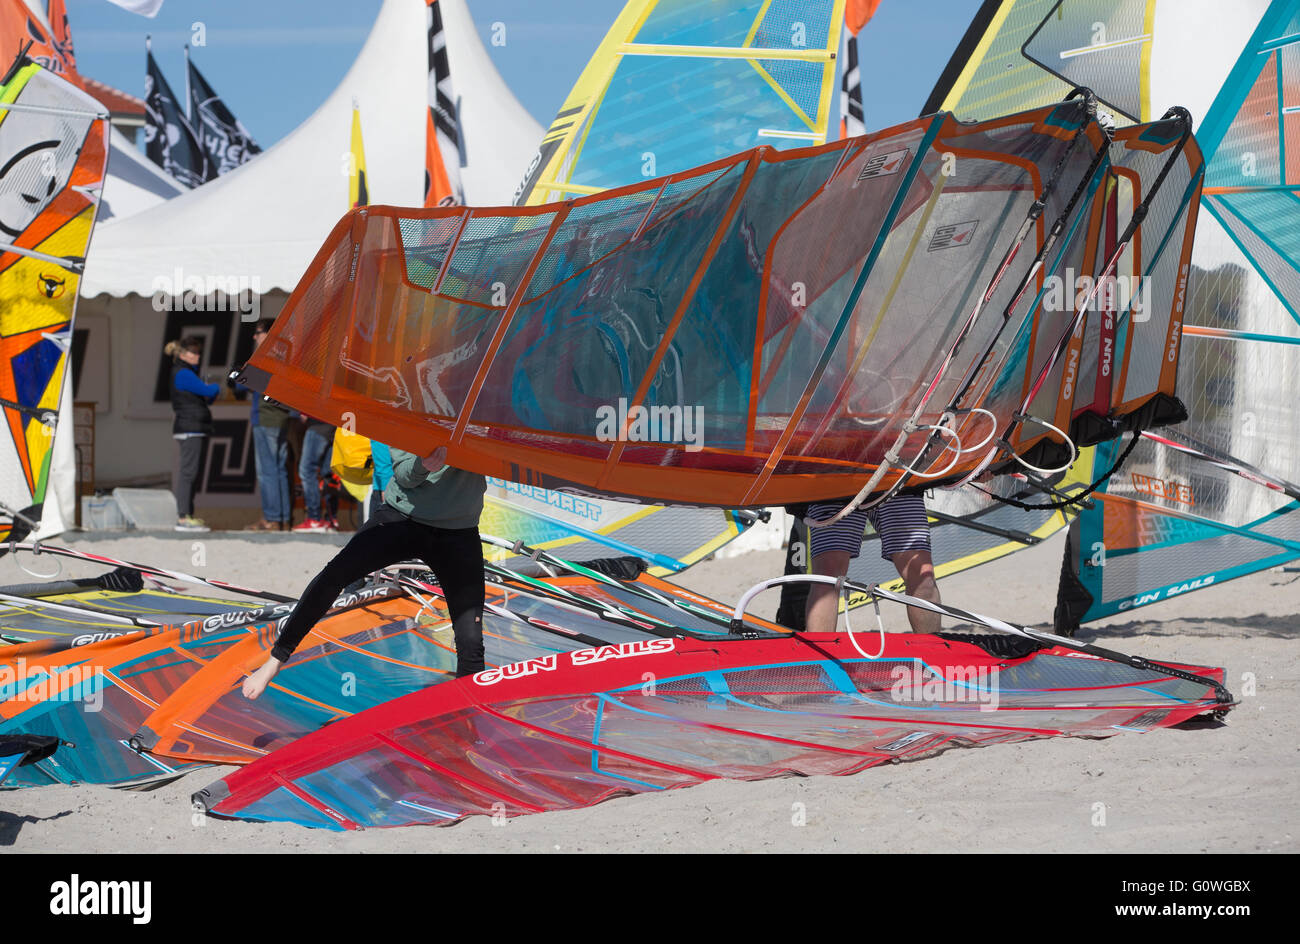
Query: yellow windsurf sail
{"type": "Point", "coordinates": [53, 152]}
{"type": "Point", "coordinates": [679, 83]}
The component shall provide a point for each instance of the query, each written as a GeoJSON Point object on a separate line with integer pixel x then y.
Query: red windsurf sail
{"type": "Point", "coordinates": [571, 729]}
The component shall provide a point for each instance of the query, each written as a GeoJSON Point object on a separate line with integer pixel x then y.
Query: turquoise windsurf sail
{"type": "Point", "coordinates": [1212, 497]}
{"type": "Point", "coordinates": [1215, 497]}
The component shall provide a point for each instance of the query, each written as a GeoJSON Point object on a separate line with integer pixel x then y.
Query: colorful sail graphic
{"type": "Point", "coordinates": [581, 528]}
{"type": "Point", "coordinates": [53, 621]}
{"type": "Point", "coordinates": [679, 83]}
{"type": "Point", "coordinates": [53, 152]}
{"type": "Point", "coordinates": [51, 49]}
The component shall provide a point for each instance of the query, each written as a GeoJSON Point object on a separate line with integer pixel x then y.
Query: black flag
{"type": "Point", "coordinates": [225, 141]}
{"type": "Point", "coordinates": [169, 140]}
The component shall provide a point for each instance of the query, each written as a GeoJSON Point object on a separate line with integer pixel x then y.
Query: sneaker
{"type": "Point", "coordinates": [190, 523]}
{"type": "Point", "coordinates": [312, 524]}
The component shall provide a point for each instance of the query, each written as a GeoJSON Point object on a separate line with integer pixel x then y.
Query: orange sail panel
{"type": "Point", "coordinates": [51, 49]}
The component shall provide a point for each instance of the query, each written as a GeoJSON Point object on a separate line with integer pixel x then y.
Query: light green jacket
{"type": "Point", "coordinates": [448, 498]}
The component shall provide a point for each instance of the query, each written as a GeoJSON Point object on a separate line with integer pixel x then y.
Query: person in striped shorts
{"type": "Point", "coordinates": [904, 533]}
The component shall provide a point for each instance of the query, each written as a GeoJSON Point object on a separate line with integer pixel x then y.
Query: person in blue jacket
{"type": "Point", "coordinates": [190, 399]}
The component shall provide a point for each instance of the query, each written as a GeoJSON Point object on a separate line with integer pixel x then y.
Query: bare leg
{"type": "Point", "coordinates": [823, 602]}
{"type": "Point", "coordinates": [917, 570]}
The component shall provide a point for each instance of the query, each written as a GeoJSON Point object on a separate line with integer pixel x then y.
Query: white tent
{"type": "Point", "coordinates": [263, 223]}
{"type": "Point", "coordinates": [265, 220]}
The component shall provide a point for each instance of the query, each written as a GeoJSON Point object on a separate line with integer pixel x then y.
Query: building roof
{"type": "Point", "coordinates": [118, 103]}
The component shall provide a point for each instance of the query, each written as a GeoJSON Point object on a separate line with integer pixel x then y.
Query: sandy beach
{"type": "Point", "coordinates": [1202, 788]}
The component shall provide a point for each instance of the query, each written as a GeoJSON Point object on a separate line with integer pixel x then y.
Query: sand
{"type": "Point", "coordinates": [1209, 788]}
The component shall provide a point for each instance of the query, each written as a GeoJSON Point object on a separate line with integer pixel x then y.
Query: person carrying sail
{"type": "Point", "coordinates": [430, 513]}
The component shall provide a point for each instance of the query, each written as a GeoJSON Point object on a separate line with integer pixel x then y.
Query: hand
{"type": "Point", "coordinates": [436, 459]}
{"type": "Point", "coordinates": [256, 683]}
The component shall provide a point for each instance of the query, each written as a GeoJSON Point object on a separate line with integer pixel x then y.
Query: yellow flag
{"type": "Point", "coordinates": [358, 192]}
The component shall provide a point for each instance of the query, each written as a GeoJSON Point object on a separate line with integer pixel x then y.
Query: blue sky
{"type": "Point", "coordinates": [274, 61]}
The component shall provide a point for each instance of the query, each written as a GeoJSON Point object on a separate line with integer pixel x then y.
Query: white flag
{"type": "Point", "coordinates": [143, 7]}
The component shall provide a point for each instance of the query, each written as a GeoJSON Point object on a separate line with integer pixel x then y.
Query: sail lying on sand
{"type": "Point", "coordinates": [571, 729]}
{"type": "Point", "coordinates": [144, 705]}
{"type": "Point", "coordinates": [53, 151]}
{"type": "Point", "coordinates": [803, 323]}
{"type": "Point", "coordinates": [601, 679]}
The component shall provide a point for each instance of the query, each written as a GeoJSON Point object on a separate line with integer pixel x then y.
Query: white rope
{"type": "Point", "coordinates": [891, 458]}
{"type": "Point", "coordinates": [1074, 452]}
{"type": "Point", "coordinates": [956, 453]}
{"type": "Point", "coordinates": [993, 431]}
{"type": "Point", "coordinates": [880, 623]}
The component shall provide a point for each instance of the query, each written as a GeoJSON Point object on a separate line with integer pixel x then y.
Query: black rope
{"type": "Point", "coordinates": [1076, 499]}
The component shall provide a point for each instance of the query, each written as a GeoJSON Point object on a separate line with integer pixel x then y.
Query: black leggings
{"type": "Point", "coordinates": [453, 554]}
{"type": "Point", "coordinates": [187, 474]}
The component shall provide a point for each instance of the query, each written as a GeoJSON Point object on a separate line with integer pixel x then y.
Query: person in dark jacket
{"type": "Point", "coordinates": [190, 399]}
{"type": "Point", "coordinates": [269, 422]}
